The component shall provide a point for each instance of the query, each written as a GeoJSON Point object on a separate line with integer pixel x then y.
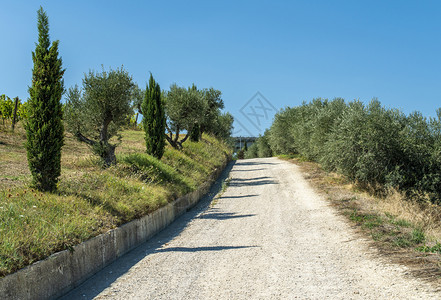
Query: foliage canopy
{"type": "Point", "coordinates": [44, 128]}
{"type": "Point", "coordinates": [96, 113]}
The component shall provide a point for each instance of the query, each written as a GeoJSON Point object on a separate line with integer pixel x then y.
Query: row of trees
{"type": "Point", "coordinates": [260, 148]}
{"type": "Point", "coordinates": [370, 144]}
{"type": "Point", "coordinates": [196, 112]}
{"type": "Point", "coordinates": [96, 112]}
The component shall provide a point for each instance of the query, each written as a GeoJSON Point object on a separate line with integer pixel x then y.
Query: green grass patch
{"type": "Point", "coordinates": [387, 229]}
{"type": "Point", "coordinates": [90, 200]}
{"type": "Point", "coordinates": [366, 220]}
{"type": "Point", "coordinates": [288, 156]}
{"type": "Point", "coordinates": [431, 249]}
{"type": "Point", "coordinates": [33, 225]}
{"type": "Point", "coordinates": [298, 157]}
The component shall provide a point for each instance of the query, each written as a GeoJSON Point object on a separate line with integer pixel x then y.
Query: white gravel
{"type": "Point", "coordinates": [269, 236]}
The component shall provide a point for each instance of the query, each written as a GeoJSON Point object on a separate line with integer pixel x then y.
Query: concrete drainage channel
{"type": "Point", "coordinates": [62, 271]}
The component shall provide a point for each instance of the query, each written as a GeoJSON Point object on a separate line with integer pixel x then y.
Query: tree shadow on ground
{"type": "Point", "coordinates": [223, 216]}
{"type": "Point", "coordinates": [238, 197]}
{"type": "Point", "coordinates": [253, 163]}
{"type": "Point", "coordinates": [198, 249]}
{"type": "Point", "coordinates": [237, 182]}
{"type": "Point", "coordinates": [248, 170]}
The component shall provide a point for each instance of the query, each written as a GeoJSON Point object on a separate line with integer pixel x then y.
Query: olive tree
{"type": "Point", "coordinates": [184, 109]}
{"type": "Point", "coordinates": [97, 112]}
{"type": "Point", "coordinates": [213, 105]}
{"type": "Point", "coordinates": [222, 125]}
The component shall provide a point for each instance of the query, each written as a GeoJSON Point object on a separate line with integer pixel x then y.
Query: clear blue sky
{"type": "Point", "coordinates": [289, 51]}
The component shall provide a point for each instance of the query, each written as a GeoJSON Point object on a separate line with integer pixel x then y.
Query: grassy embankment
{"type": "Point", "coordinates": [90, 200]}
{"type": "Point", "coordinates": [405, 231]}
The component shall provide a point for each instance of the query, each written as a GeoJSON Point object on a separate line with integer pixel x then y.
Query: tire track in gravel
{"type": "Point", "coordinates": [269, 236]}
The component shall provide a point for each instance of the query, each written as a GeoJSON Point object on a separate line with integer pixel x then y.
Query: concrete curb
{"type": "Point", "coordinates": [62, 271]}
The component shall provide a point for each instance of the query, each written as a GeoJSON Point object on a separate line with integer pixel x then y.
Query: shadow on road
{"type": "Point", "coordinates": [252, 163]}
{"type": "Point", "coordinates": [252, 181]}
{"type": "Point", "coordinates": [197, 249]}
{"type": "Point", "coordinates": [248, 170]}
{"type": "Point", "coordinates": [238, 197]}
{"type": "Point", "coordinates": [223, 216]}
{"type": "Point", "coordinates": [94, 285]}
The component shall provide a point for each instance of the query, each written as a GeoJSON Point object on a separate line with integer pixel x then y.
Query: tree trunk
{"type": "Point", "coordinates": [14, 118]}
{"type": "Point", "coordinates": [102, 148]}
{"type": "Point", "coordinates": [103, 132]}
{"type": "Point", "coordinates": [109, 155]}
{"type": "Point", "coordinates": [184, 139]}
{"type": "Point", "coordinates": [107, 150]}
{"type": "Point", "coordinates": [175, 141]}
{"type": "Point", "coordinates": [84, 139]}
{"type": "Point", "coordinates": [170, 138]}
{"type": "Point", "coordinates": [171, 142]}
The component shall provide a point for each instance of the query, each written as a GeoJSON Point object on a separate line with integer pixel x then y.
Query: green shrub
{"type": "Point", "coordinates": [6, 108]}
{"type": "Point", "coordinates": [263, 147]}
{"type": "Point", "coordinates": [252, 151]}
{"type": "Point", "coordinates": [371, 145]}
{"type": "Point", "coordinates": [279, 138]}
{"type": "Point", "coordinates": [364, 144]}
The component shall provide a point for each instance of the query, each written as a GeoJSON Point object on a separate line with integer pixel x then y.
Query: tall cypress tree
{"type": "Point", "coordinates": [154, 119]}
{"type": "Point", "coordinates": [44, 128]}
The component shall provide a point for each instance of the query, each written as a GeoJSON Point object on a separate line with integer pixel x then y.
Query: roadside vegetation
{"type": "Point", "coordinates": [91, 200]}
{"type": "Point", "coordinates": [376, 147]}
{"type": "Point", "coordinates": [388, 162]}
{"type": "Point", "coordinates": [59, 188]}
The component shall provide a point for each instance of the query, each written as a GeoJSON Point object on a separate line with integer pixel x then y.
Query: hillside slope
{"type": "Point", "coordinates": [91, 200]}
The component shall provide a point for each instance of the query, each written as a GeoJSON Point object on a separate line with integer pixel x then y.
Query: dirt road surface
{"type": "Point", "coordinates": [269, 236]}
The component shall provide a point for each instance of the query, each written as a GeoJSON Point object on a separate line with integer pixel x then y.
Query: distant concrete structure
{"type": "Point", "coordinates": [241, 140]}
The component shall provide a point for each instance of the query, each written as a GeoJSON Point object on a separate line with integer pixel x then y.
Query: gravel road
{"type": "Point", "coordinates": [269, 236]}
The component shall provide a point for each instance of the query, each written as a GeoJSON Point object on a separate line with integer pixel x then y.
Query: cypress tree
{"type": "Point", "coordinates": [154, 119]}
{"type": "Point", "coordinates": [44, 128]}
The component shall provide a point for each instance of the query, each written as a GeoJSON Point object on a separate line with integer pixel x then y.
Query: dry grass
{"type": "Point", "coordinates": [13, 167]}
{"type": "Point", "coordinates": [423, 215]}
